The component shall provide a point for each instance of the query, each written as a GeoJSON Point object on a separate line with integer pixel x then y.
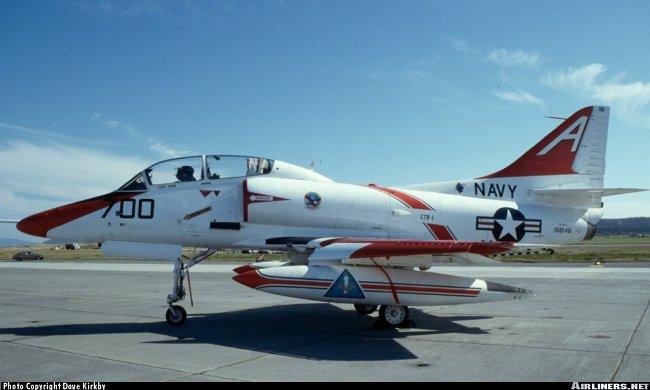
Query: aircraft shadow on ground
{"type": "Point", "coordinates": [309, 331]}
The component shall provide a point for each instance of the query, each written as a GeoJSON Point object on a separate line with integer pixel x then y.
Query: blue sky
{"type": "Point", "coordinates": [389, 92]}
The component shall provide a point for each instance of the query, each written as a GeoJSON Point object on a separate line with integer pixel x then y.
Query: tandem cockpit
{"type": "Point", "coordinates": [208, 168]}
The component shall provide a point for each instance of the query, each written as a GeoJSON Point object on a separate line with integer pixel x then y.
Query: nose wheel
{"type": "Point", "coordinates": [176, 315]}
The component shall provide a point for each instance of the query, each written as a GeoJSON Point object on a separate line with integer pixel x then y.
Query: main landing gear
{"type": "Point", "coordinates": [176, 315]}
{"type": "Point", "coordinates": [391, 316]}
{"type": "Point", "coordinates": [394, 316]}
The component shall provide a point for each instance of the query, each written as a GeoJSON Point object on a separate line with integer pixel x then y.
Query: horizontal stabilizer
{"type": "Point", "coordinates": [581, 192]}
{"type": "Point", "coordinates": [9, 221]}
{"type": "Point", "coordinates": [577, 197]}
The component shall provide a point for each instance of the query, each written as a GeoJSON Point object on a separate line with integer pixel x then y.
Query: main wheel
{"type": "Point", "coordinates": [178, 318]}
{"type": "Point", "coordinates": [364, 310]}
{"type": "Point", "coordinates": [394, 315]}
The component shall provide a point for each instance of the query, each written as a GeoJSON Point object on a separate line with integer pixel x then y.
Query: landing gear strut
{"type": "Point", "coordinates": [176, 315]}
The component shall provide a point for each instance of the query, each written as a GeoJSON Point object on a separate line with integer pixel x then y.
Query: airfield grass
{"type": "Point", "coordinates": [92, 252]}
{"type": "Point", "coordinates": [601, 248]}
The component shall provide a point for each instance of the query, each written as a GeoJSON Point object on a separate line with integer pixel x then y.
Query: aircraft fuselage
{"type": "Point", "coordinates": [268, 212]}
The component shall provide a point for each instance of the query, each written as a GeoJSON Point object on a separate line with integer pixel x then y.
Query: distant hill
{"type": "Point", "coordinates": [54, 241]}
{"type": "Point", "coordinates": [624, 226]}
{"type": "Point", "coordinates": [13, 242]}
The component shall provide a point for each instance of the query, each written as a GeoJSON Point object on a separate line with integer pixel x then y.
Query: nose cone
{"type": "Point", "coordinates": [39, 224]}
{"type": "Point", "coordinates": [42, 223]}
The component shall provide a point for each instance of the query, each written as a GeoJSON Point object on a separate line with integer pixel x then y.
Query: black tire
{"type": "Point", "coordinates": [179, 319]}
{"type": "Point", "coordinates": [19, 259]}
{"type": "Point", "coordinates": [394, 315]}
{"type": "Point", "coordinates": [364, 310]}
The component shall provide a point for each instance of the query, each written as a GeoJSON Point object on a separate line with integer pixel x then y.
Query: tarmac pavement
{"type": "Point", "coordinates": [104, 321]}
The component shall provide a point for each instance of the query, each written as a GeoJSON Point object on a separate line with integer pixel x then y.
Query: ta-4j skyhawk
{"type": "Point", "coordinates": [366, 245]}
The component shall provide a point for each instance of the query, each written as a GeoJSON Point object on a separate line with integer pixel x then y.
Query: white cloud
{"type": "Point", "coordinates": [153, 144]}
{"type": "Point", "coordinates": [582, 79]}
{"type": "Point", "coordinates": [39, 133]}
{"type": "Point", "coordinates": [166, 151]}
{"type": "Point", "coordinates": [632, 100]}
{"type": "Point", "coordinates": [40, 176]}
{"type": "Point", "coordinates": [520, 97]}
{"type": "Point", "coordinates": [458, 44]}
{"type": "Point", "coordinates": [507, 58]}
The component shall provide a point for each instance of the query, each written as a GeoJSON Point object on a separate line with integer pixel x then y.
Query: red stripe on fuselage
{"type": "Point", "coordinates": [40, 223]}
{"type": "Point", "coordinates": [420, 289]}
{"type": "Point", "coordinates": [409, 200]}
{"type": "Point", "coordinates": [440, 232]}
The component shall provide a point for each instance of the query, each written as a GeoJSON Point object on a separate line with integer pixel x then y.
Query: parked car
{"type": "Point", "coordinates": [28, 255]}
{"type": "Point", "coordinates": [72, 246]}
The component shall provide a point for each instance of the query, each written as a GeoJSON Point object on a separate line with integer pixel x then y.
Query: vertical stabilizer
{"type": "Point", "coordinates": [566, 169]}
{"type": "Point", "coordinates": [576, 146]}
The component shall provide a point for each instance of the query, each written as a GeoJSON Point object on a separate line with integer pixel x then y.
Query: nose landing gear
{"type": "Point", "coordinates": [176, 315]}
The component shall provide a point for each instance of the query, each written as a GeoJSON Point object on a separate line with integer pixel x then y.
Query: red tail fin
{"type": "Point", "coordinates": [556, 154]}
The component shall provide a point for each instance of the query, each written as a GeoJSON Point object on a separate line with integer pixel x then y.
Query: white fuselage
{"type": "Point", "coordinates": [265, 212]}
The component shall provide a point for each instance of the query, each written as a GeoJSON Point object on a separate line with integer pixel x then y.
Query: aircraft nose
{"type": "Point", "coordinates": [40, 223]}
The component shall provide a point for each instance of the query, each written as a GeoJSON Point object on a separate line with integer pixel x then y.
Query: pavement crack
{"type": "Point", "coordinates": [93, 356]}
{"type": "Point", "coordinates": [629, 342]}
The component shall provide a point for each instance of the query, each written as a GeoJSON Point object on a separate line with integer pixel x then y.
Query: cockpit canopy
{"type": "Point", "coordinates": [198, 168]}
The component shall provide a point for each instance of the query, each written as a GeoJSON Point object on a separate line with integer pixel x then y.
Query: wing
{"type": "Point", "coordinates": [394, 252]}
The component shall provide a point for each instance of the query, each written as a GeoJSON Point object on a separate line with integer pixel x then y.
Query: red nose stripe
{"type": "Point", "coordinates": [41, 223]}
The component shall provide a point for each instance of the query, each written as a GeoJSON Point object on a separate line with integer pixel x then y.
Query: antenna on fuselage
{"type": "Point", "coordinates": [312, 166]}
